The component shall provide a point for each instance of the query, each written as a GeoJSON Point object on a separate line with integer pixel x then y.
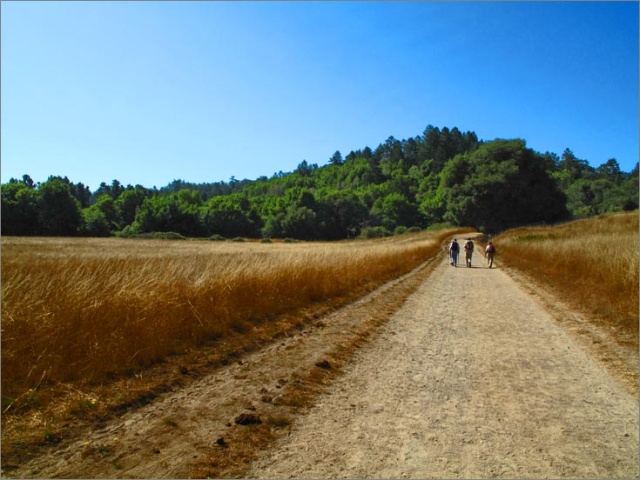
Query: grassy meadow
{"type": "Point", "coordinates": [592, 263]}
{"type": "Point", "coordinates": [81, 311]}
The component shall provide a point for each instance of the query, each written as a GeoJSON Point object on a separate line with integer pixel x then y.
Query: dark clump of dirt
{"type": "Point", "coordinates": [324, 364]}
{"type": "Point", "coordinates": [248, 419]}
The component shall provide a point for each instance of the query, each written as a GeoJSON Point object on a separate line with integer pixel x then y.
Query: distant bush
{"type": "Point", "coordinates": [444, 226]}
{"type": "Point", "coordinates": [237, 239]}
{"type": "Point", "coordinates": [128, 232]}
{"type": "Point", "coordinates": [375, 232]}
{"type": "Point", "coordinates": [216, 238]}
{"type": "Point", "coordinates": [168, 236]}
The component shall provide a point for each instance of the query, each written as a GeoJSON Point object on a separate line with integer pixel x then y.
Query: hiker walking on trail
{"type": "Point", "coordinates": [489, 253]}
{"type": "Point", "coordinates": [468, 251]}
{"type": "Point", "coordinates": [454, 249]}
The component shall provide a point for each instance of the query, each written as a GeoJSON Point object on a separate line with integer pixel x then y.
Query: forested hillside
{"type": "Point", "coordinates": [441, 176]}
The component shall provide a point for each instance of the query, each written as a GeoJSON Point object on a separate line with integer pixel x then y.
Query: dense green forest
{"type": "Point", "coordinates": [443, 176]}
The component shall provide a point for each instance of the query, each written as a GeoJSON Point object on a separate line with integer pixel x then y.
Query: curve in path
{"type": "Point", "coordinates": [470, 379]}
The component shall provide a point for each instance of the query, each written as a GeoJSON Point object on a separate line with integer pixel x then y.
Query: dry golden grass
{"type": "Point", "coordinates": [591, 263]}
{"type": "Point", "coordinates": [82, 311]}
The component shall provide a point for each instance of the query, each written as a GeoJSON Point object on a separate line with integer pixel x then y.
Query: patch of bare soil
{"type": "Point", "coordinates": [444, 373]}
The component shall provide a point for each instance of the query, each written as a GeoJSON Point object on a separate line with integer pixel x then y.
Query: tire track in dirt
{"type": "Point", "coordinates": [470, 379]}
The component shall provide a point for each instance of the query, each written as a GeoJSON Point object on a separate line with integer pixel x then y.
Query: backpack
{"type": "Point", "coordinates": [468, 245]}
{"type": "Point", "coordinates": [491, 249]}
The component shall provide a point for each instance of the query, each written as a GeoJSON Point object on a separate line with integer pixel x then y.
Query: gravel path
{"type": "Point", "coordinates": [470, 379]}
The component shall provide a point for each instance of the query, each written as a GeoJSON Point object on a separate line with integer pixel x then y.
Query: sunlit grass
{"type": "Point", "coordinates": [592, 263]}
{"type": "Point", "coordinates": [85, 310]}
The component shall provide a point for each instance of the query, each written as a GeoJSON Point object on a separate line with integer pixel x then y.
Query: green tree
{"type": "Point", "coordinates": [19, 214]}
{"type": "Point", "coordinates": [581, 198]}
{"type": "Point", "coordinates": [395, 210]}
{"type": "Point", "coordinates": [293, 214]}
{"type": "Point", "coordinates": [300, 222]}
{"type": "Point", "coordinates": [611, 190]}
{"type": "Point", "coordinates": [82, 193]}
{"type": "Point", "coordinates": [336, 158]}
{"type": "Point", "coordinates": [273, 226]}
{"type": "Point", "coordinates": [114, 190]}
{"type": "Point", "coordinates": [107, 206]}
{"type": "Point", "coordinates": [341, 214]}
{"type": "Point", "coordinates": [500, 185]}
{"type": "Point", "coordinates": [59, 210]}
{"type": "Point", "coordinates": [129, 202]}
{"type": "Point", "coordinates": [231, 216]}
{"type": "Point", "coordinates": [610, 170]}
{"type": "Point", "coordinates": [189, 197]}
{"type": "Point", "coordinates": [358, 172]}
{"type": "Point", "coordinates": [570, 169]}
{"type": "Point", "coordinates": [28, 181]}
{"type": "Point", "coordinates": [95, 222]}
{"type": "Point", "coordinates": [166, 213]}
{"type": "Point", "coordinates": [304, 169]}
{"type": "Point", "coordinates": [430, 140]}
{"type": "Point", "coordinates": [630, 186]}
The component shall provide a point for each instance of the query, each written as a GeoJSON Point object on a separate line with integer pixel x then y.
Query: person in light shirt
{"type": "Point", "coordinates": [489, 253]}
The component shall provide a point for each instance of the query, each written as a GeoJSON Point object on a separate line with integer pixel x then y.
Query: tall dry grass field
{"type": "Point", "coordinates": [592, 263]}
{"type": "Point", "coordinates": [83, 310]}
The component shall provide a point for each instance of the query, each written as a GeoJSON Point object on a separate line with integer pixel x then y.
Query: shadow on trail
{"type": "Point", "coordinates": [482, 267]}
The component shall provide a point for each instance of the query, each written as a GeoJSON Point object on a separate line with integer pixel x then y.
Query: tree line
{"type": "Point", "coordinates": [443, 176]}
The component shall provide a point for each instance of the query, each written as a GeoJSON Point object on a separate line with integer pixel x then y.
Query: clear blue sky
{"type": "Point", "coordinates": [149, 92]}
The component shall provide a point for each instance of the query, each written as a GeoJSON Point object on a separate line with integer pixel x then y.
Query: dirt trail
{"type": "Point", "coordinates": [470, 379]}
